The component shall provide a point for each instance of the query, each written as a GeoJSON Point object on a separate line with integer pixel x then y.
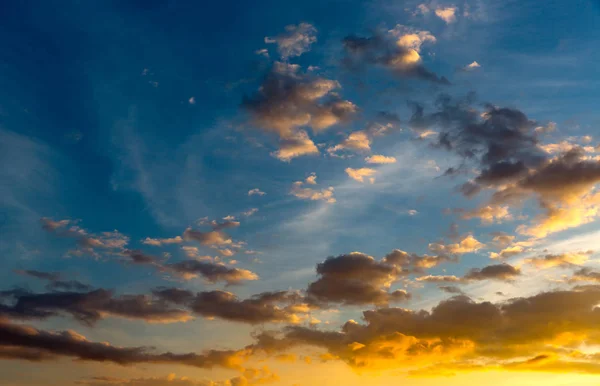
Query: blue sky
{"type": "Point", "coordinates": [156, 119]}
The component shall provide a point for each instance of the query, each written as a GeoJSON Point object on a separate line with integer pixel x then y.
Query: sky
{"type": "Point", "coordinates": [299, 193]}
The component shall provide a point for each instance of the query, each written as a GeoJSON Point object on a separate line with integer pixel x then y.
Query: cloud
{"type": "Point", "coordinates": [89, 307]}
{"type": "Point", "coordinates": [250, 212]}
{"type": "Point", "coordinates": [295, 145]}
{"type": "Point", "coordinates": [357, 141]}
{"type": "Point", "coordinates": [450, 289]}
{"type": "Point", "coordinates": [261, 308]}
{"type": "Point", "coordinates": [380, 159]}
{"type": "Point", "coordinates": [472, 66]}
{"type": "Point", "coordinates": [266, 307]}
{"type": "Point", "coordinates": [139, 257]}
{"type": "Point", "coordinates": [397, 50]}
{"type": "Point", "coordinates": [488, 214]}
{"type": "Point", "coordinates": [507, 252]}
{"type": "Point", "coordinates": [256, 192]}
{"type": "Point", "coordinates": [564, 260]}
{"type": "Point", "coordinates": [51, 225]}
{"type": "Point", "coordinates": [250, 377]}
{"type": "Point", "coordinates": [457, 333]}
{"type": "Point", "coordinates": [503, 144]}
{"type": "Point", "coordinates": [356, 279]}
{"type": "Point", "coordinates": [289, 100]}
{"type": "Point", "coordinates": [56, 283]}
{"type": "Point", "coordinates": [360, 174]}
{"type": "Point", "coordinates": [88, 243]}
{"type": "Point", "coordinates": [211, 238]}
{"type": "Point", "coordinates": [494, 272]}
{"type": "Point", "coordinates": [295, 41]}
{"type": "Point", "coordinates": [300, 190]}
{"type": "Point", "coordinates": [44, 345]}
{"type": "Point", "coordinates": [414, 263]}
{"type": "Point", "coordinates": [447, 14]}
{"type": "Point", "coordinates": [212, 272]}
{"type": "Point", "coordinates": [585, 274]}
{"type": "Point", "coordinates": [504, 272]}
{"type": "Point", "coordinates": [468, 244]}
{"type": "Point", "coordinates": [160, 242]}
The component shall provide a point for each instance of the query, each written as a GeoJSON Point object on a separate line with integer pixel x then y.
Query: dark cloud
{"type": "Point", "coordinates": [493, 272]}
{"type": "Point", "coordinates": [355, 279]}
{"type": "Point", "coordinates": [139, 257]}
{"type": "Point", "coordinates": [89, 307]}
{"type": "Point", "coordinates": [504, 146]}
{"type": "Point", "coordinates": [269, 307]}
{"type": "Point", "coordinates": [212, 272]}
{"type": "Point", "coordinates": [50, 276]}
{"type": "Point", "coordinates": [23, 342]}
{"type": "Point", "coordinates": [55, 281]}
{"type": "Point", "coordinates": [450, 289]}
{"type": "Point", "coordinates": [395, 50]}
{"type": "Point", "coordinates": [585, 274]}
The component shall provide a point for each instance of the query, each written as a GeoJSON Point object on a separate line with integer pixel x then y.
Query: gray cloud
{"type": "Point", "coordinates": [356, 279]}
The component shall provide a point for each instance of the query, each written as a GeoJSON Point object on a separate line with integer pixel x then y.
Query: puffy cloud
{"type": "Point", "coordinates": [494, 272]}
{"type": "Point", "coordinates": [566, 260]}
{"type": "Point", "coordinates": [457, 333]}
{"type": "Point", "coordinates": [412, 262]}
{"type": "Point", "coordinates": [160, 242]}
{"type": "Point", "coordinates": [357, 141]}
{"type": "Point", "coordinates": [52, 225]}
{"type": "Point", "coordinates": [513, 164]}
{"type": "Point", "coordinates": [212, 272]}
{"type": "Point", "coordinates": [360, 174]}
{"type": "Point", "coordinates": [211, 238]}
{"type": "Point", "coordinates": [289, 100]}
{"type": "Point", "coordinates": [42, 345]}
{"type": "Point", "coordinates": [585, 274]}
{"type": "Point", "coordinates": [88, 243]}
{"type": "Point", "coordinates": [356, 279]}
{"type": "Point", "coordinates": [488, 214]}
{"type": "Point", "coordinates": [507, 252]}
{"type": "Point", "coordinates": [139, 257]}
{"type": "Point", "coordinates": [295, 145]}
{"type": "Point", "coordinates": [256, 192]}
{"type": "Point", "coordinates": [397, 50]}
{"type": "Point", "coordinates": [472, 66]}
{"type": "Point", "coordinates": [447, 14]}
{"type": "Point", "coordinates": [295, 41]}
{"type": "Point", "coordinates": [300, 190]}
{"type": "Point", "coordinates": [468, 244]}
{"type": "Point", "coordinates": [502, 239]}
{"type": "Point", "coordinates": [380, 159]}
